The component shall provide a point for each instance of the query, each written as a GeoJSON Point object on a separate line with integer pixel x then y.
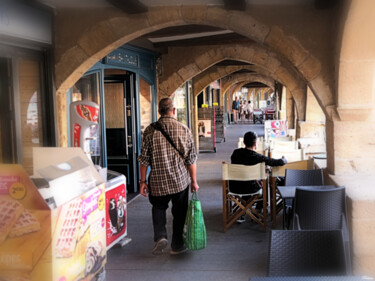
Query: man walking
{"type": "Point", "coordinates": [168, 148]}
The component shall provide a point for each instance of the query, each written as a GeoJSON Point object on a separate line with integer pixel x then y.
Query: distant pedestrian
{"type": "Point", "coordinates": [235, 106]}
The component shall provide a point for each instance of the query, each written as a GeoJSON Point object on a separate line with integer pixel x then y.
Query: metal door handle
{"type": "Point", "coordinates": [126, 129]}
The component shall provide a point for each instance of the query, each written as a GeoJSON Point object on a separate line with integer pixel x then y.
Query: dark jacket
{"type": "Point", "coordinates": [244, 156]}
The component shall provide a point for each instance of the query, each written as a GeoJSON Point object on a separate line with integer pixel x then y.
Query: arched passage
{"type": "Point", "coordinates": [246, 78]}
{"type": "Point", "coordinates": [196, 60]}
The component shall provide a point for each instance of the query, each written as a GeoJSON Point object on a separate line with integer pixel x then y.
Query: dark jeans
{"type": "Point", "coordinates": [159, 218]}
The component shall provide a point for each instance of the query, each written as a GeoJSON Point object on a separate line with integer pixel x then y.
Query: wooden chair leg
{"type": "Point", "coordinates": [225, 209]}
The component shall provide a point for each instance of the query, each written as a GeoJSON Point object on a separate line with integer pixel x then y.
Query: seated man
{"type": "Point", "coordinates": [248, 156]}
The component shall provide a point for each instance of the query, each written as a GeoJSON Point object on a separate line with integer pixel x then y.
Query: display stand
{"type": "Point", "coordinates": [206, 130]}
{"type": "Point", "coordinates": [219, 124]}
{"type": "Point", "coordinates": [54, 225]}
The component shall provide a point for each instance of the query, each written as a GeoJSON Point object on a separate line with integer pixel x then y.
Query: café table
{"type": "Point", "coordinates": [312, 278]}
{"type": "Point", "coordinates": [289, 192]}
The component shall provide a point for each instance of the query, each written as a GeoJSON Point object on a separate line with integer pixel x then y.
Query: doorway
{"type": "Point", "coordinates": [121, 125]}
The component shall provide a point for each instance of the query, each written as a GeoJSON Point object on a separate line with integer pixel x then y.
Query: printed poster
{"type": "Point", "coordinates": [204, 128]}
{"type": "Point", "coordinates": [275, 128]}
{"type": "Point", "coordinates": [115, 214]}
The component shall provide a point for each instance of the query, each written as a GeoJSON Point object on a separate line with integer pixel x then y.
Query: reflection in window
{"type": "Point", "coordinates": [146, 104]}
{"type": "Point", "coordinates": [30, 105]}
{"type": "Point", "coordinates": [87, 88]}
{"type": "Point", "coordinates": [32, 118]}
{"type": "Point", "coordinates": [179, 101]}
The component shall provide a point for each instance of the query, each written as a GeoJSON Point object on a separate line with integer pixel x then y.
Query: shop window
{"type": "Point", "coordinates": [180, 103]}
{"type": "Point", "coordinates": [7, 143]}
{"type": "Point", "coordinates": [87, 88]}
{"type": "Point", "coordinates": [146, 103]}
{"type": "Point", "coordinates": [30, 109]}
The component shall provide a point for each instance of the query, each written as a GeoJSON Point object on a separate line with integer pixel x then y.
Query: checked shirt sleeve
{"type": "Point", "coordinates": [145, 157]}
{"type": "Point", "coordinates": [191, 156]}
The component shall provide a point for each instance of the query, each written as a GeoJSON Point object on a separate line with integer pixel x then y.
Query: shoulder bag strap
{"type": "Point", "coordinates": [157, 126]}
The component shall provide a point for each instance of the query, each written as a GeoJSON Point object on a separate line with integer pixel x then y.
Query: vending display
{"type": "Point", "coordinates": [84, 126]}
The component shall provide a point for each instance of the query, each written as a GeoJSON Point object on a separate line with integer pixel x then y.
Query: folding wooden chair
{"type": "Point", "coordinates": [291, 155]}
{"type": "Point", "coordinates": [234, 205]}
{"type": "Point", "coordinates": [284, 145]}
{"type": "Point", "coordinates": [276, 200]}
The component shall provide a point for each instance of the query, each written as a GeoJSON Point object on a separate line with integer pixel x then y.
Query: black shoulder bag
{"type": "Point", "coordinates": [157, 126]}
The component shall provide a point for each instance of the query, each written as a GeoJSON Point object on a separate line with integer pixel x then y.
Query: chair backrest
{"type": "Point", "coordinates": [306, 253]}
{"type": "Point", "coordinates": [287, 138]}
{"type": "Point", "coordinates": [290, 155]}
{"type": "Point", "coordinates": [304, 177]}
{"type": "Point", "coordinates": [261, 145]}
{"type": "Point", "coordinates": [243, 172]}
{"type": "Point", "coordinates": [284, 145]}
{"type": "Point", "coordinates": [279, 171]}
{"type": "Point", "coordinates": [320, 207]}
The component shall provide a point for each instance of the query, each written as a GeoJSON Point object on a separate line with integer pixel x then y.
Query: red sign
{"type": "Point", "coordinates": [87, 112]}
{"type": "Point", "coordinates": [77, 135]}
{"type": "Point", "coordinates": [115, 213]}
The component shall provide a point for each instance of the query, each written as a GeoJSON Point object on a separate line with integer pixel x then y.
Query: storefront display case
{"type": "Point", "coordinates": [63, 239]}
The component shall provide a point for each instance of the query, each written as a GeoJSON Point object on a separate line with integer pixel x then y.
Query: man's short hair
{"type": "Point", "coordinates": [250, 139]}
{"type": "Point", "coordinates": [165, 106]}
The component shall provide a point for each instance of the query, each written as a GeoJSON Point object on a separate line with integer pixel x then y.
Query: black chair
{"type": "Point", "coordinates": [322, 208]}
{"type": "Point", "coordinates": [306, 253]}
{"type": "Point", "coordinates": [300, 178]}
{"type": "Point", "coordinates": [304, 177]}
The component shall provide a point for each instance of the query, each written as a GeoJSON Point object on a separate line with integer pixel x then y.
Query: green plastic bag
{"type": "Point", "coordinates": [195, 231]}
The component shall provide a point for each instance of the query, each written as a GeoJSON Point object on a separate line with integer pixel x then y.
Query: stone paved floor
{"type": "Point", "coordinates": [238, 254]}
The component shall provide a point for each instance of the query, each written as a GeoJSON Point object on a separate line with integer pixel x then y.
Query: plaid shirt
{"type": "Point", "coordinates": [169, 173]}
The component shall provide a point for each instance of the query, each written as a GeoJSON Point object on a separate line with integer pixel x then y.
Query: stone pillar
{"type": "Point", "coordinates": [290, 110]}
{"type": "Point", "coordinates": [62, 122]}
{"type": "Point", "coordinates": [353, 164]}
{"type": "Point", "coordinates": [354, 142]}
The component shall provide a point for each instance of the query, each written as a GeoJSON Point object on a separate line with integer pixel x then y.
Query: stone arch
{"type": "Point", "coordinates": [247, 78]}
{"type": "Point", "coordinates": [76, 54]}
{"type": "Point", "coordinates": [202, 80]}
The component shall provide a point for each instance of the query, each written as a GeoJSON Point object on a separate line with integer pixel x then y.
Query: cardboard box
{"type": "Point", "coordinates": [66, 241]}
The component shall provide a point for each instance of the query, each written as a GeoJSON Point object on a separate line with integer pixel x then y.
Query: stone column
{"type": "Point", "coordinates": [290, 110]}
{"type": "Point", "coordinates": [353, 164]}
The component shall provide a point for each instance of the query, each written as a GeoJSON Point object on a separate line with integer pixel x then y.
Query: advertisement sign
{"type": "Point", "coordinates": [275, 128]}
{"type": "Point", "coordinates": [84, 125]}
{"type": "Point", "coordinates": [115, 214]}
{"type": "Point", "coordinates": [78, 243]}
{"type": "Point", "coordinates": [25, 228]}
{"type": "Point", "coordinates": [204, 128]}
